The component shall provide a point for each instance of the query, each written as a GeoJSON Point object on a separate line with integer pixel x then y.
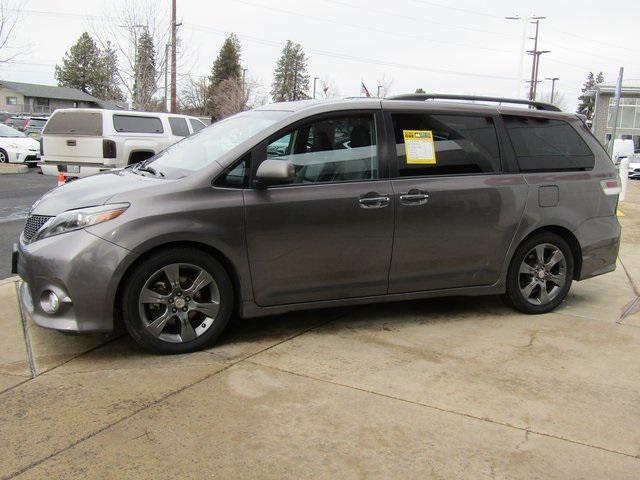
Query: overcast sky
{"type": "Point", "coordinates": [453, 46]}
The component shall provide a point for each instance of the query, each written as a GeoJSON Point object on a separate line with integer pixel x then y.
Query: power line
{"type": "Point", "coordinates": [418, 19]}
{"type": "Point", "coordinates": [343, 56]}
{"type": "Point", "coordinates": [371, 29]}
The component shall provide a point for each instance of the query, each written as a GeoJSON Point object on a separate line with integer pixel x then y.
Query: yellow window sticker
{"type": "Point", "coordinates": [419, 148]}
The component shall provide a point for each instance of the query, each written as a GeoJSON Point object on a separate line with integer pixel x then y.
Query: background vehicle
{"type": "Point", "coordinates": [81, 142]}
{"type": "Point", "coordinates": [33, 127]}
{"type": "Point", "coordinates": [350, 206]}
{"type": "Point", "coordinates": [17, 121]}
{"type": "Point", "coordinates": [16, 147]}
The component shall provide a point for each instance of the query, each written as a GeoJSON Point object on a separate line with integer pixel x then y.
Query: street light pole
{"type": "Point", "coordinates": [553, 86]}
{"type": "Point", "coordinates": [536, 58]}
{"type": "Point", "coordinates": [378, 94]}
{"type": "Point", "coordinates": [174, 28]}
{"type": "Point", "coordinates": [166, 75]}
{"type": "Point", "coordinates": [244, 79]}
{"type": "Point", "coordinates": [315, 80]}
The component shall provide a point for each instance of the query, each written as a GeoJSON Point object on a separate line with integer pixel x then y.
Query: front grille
{"type": "Point", "coordinates": [34, 223]}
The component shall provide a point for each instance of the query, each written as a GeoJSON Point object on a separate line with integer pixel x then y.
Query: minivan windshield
{"type": "Point", "coordinates": [205, 147]}
{"type": "Point", "coordinates": [8, 132]}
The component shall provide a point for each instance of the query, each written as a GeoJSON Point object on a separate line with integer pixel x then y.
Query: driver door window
{"type": "Point", "coordinates": [341, 149]}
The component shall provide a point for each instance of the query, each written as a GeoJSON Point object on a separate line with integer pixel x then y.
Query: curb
{"type": "Point", "coordinates": [7, 168]}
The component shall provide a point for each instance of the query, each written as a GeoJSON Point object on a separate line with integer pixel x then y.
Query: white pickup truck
{"type": "Point", "coordinates": [83, 141]}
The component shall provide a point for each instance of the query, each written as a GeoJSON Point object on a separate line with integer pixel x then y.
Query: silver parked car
{"type": "Point", "coordinates": [318, 204]}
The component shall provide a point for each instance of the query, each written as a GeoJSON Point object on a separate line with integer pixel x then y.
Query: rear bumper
{"type": "Point", "coordinates": [76, 170]}
{"type": "Point", "coordinates": [599, 240]}
{"type": "Point", "coordinates": [82, 270]}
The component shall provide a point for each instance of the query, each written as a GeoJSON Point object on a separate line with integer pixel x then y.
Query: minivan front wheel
{"type": "Point", "coordinates": [540, 274]}
{"type": "Point", "coordinates": [177, 301]}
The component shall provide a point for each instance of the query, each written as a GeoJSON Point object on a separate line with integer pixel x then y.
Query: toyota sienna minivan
{"type": "Point", "coordinates": [315, 204]}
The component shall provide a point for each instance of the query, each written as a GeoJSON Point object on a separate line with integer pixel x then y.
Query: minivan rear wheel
{"type": "Point", "coordinates": [177, 301]}
{"type": "Point", "coordinates": [540, 274]}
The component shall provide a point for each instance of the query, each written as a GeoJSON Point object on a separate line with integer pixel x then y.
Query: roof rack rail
{"type": "Point", "coordinates": [443, 96]}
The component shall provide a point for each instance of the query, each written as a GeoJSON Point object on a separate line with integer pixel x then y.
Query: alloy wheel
{"type": "Point", "coordinates": [3, 157]}
{"type": "Point", "coordinates": [542, 274]}
{"type": "Point", "coordinates": [179, 302]}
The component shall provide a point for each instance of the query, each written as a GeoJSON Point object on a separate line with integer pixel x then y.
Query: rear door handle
{"type": "Point", "coordinates": [414, 197]}
{"type": "Point", "coordinates": [377, 201]}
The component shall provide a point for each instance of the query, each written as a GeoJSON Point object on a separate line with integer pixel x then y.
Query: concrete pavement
{"type": "Point", "coordinates": [447, 388]}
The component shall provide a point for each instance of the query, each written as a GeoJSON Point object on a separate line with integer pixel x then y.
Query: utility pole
{"type": "Point", "coordinates": [166, 76]}
{"type": "Point", "coordinates": [553, 86]}
{"type": "Point", "coordinates": [378, 94]}
{"type": "Point", "coordinates": [616, 113]}
{"type": "Point", "coordinates": [536, 58]}
{"type": "Point", "coordinates": [174, 42]}
{"type": "Point", "coordinates": [244, 79]}
{"type": "Point", "coordinates": [315, 80]}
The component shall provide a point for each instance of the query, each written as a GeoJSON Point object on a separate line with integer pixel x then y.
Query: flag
{"type": "Point", "coordinates": [363, 90]}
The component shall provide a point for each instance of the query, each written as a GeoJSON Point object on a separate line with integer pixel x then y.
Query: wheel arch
{"type": "Point", "coordinates": [568, 236]}
{"type": "Point", "coordinates": [229, 267]}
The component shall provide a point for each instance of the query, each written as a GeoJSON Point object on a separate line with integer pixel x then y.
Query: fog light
{"type": "Point", "coordinates": [49, 302]}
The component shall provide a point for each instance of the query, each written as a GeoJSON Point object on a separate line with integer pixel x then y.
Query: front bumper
{"type": "Point", "coordinates": [23, 155]}
{"type": "Point", "coordinates": [82, 270]}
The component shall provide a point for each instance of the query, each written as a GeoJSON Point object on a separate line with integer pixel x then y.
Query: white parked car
{"type": "Point", "coordinates": [16, 147]}
{"type": "Point", "coordinates": [83, 141]}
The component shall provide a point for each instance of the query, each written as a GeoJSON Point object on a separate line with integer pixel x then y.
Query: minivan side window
{"type": "Point", "coordinates": [197, 125]}
{"type": "Point", "coordinates": [137, 124]}
{"type": "Point", "coordinates": [235, 176]}
{"type": "Point", "coordinates": [338, 149]}
{"type": "Point", "coordinates": [179, 126]}
{"type": "Point", "coordinates": [543, 144]}
{"type": "Point", "coordinates": [459, 144]}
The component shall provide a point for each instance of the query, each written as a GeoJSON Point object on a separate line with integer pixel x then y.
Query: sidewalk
{"type": "Point", "coordinates": [448, 388]}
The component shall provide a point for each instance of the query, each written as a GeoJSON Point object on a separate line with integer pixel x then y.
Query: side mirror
{"type": "Point", "coordinates": [274, 172]}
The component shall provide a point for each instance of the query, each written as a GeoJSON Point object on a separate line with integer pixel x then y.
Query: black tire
{"type": "Point", "coordinates": [517, 281]}
{"type": "Point", "coordinates": [4, 158]}
{"type": "Point", "coordinates": [143, 273]}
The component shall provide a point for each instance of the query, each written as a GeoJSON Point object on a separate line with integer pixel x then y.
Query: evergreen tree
{"type": "Point", "coordinates": [91, 70]}
{"type": "Point", "coordinates": [80, 65]}
{"type": "Point", "coordinates": [586, 106]}
{"type": "Point", "coordinates": [107, 82]}
{"type": "Point", "coordinates": [227, 64]}
{"type": "Point", "coordinates": [145, 85]}
{"type": "Point", "coordinates": [225, 67]}
{"type": "Point", "coordinates": [290, 78]}
{"type": "Point", "coordinates": [420, 90]}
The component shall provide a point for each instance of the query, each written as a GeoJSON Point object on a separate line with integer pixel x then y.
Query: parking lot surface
{"type": "Point", "coordinates": [447, 388]}
{"type": "Point", "coordinates": [17, 194]}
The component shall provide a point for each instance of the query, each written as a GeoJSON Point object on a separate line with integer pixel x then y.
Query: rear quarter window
{"type": "Point", "coordinates": [197, 125]}
{"type": "Point", "coordinates": [74, 123]}
{"type": "Point", "coordinates": [137, 124]}
{"type": "Point", "coordinates": [179, 126]}
{"type": "Point", "coordinates": [542, 144]}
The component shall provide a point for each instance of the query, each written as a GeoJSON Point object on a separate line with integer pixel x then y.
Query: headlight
{"type": "Point", "coordinates": [78, 219]}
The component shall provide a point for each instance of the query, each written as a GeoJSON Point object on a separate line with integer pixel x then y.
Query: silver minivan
{"type": "Point", "coordinates": [325, 203]}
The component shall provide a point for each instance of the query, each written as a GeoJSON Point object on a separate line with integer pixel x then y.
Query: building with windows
{"type": "Point", "coordinates": [30, 98]}
{"type": "Point", "coordinates": [628, 117]}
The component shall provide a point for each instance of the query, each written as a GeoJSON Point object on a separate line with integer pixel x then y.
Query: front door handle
{"type": "Point", "coordinates": [414, 197]}
{"type": "Point", "coordinates": [374, 200]}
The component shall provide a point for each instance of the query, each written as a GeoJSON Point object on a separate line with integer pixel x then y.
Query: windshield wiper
{"type": "Point", "coordinates": [147, 168]}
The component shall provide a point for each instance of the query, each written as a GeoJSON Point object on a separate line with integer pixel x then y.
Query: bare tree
{"type": "Point", "coordinates": [133, 20]}
{"type": "Point", "coordinates": [559, 99]}
{"type": "Point", "coordinates": [9, 17]}
{"type": "Point", "coordinates": [232, 97]}
{"type": "Point", "coordinates": [328, 88]}
{"type": "Point", "coordinates": [385, 85]}
{"type": "Point", "coordinates": [193, 97]}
